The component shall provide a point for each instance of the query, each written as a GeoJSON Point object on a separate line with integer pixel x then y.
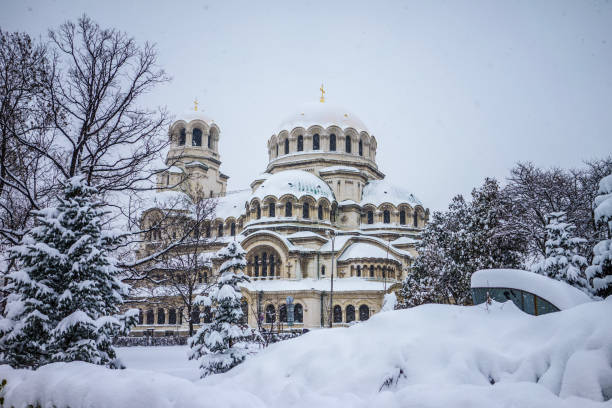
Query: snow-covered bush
{"type": "Point", "coordinates": [600, 272]}
{"type": "Point", "coordinates": [563, 261]}
{"type": "Point", "coordinates": [63, 298]}
{"type": "Point", "coordinates": [220, 345]}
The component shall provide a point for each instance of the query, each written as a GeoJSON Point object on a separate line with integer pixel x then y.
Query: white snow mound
{"type": "Point", "coordinates": [428, 356]}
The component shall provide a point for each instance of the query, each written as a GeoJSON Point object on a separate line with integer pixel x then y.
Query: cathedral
{"type": "Point", "coordinates": [320, 216]}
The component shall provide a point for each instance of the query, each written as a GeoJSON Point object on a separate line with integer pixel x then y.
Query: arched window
{"type": "Point", "coordinates": [264, 264]}
{"type": "Point", "coordinates": [305, 210]}
{"type": "Point", "coordinates": [298, 313]}
{"type": "Point", "coordinates": [208, 231]}
{"type": "Point", "coordinates": [220, 230]}
{"type": "Point", "coordinates": [180, 316]}
{"type": "Point", "coordinates": [348, 144]}
{"type": "Point", "coordinates": [270, 314]}
{"type": "Point", "coordinates": [370, 217]}
{"type": "Point", "coordinates": [288, 209]}
{"type": "Point", "coordinates": [256, 262]}
{"type": "Point", "coordinates": [195, 315]}
{"type": "Point", "coordinates": [207, 314]}
{"type": "Point", "coordinates": [300, 142]}
{"type": "Point", "coordinates": [386, 217]}
{"type": "Point", "coordinates": [337, 314]}
{"type": "Point", "coordinates": [272, 209]}
{"type": "Point", "coordinates": [315, 141]}
{"type": "Point", "coordinates": [272, 265]}
{"type": "Point", "coordinates": [322, 270]}
{"type": "Point", "coordinates": [282, 313]}
{"type": "Point", "coordinates": [371, 271]}
{"type": "Point", "coordinates": [364, 312]}
{"type": "Point", "coordinates": [415, 219]}
{"type": "Point", "coordinates": [140, 316]}
{"type": "Point", "coordinates": [161, 316]}
{"type": "Point", "coordinates": [233, 229]}
{"type": "Point", "coordinates": [332, 142]}
{"type": "Point", "coordinates": [150, 317]}
{"type": "Point", "coordinates": [361, 148]}
{"type": "Point", "coordinates": [358, 270]}
{"type": "Point", "coordinates": [350, 313]}
{"type": "Point", "coordinates": [210, 139]}
{"type": "Point", "coordinates": [320, 212]}
{"type": "Point", "coordinates": [402, 217]}
{"type": "Point", "coordinates": [172, 316]}
{"type": "Point", "coordinates": [258, 211]}
{"type": "Point", "coordinates": [182, 137]}
{"type": "Point", "coordinates": [286, 146]}
{"type": "Point", "coordinates": [384, 272]}
{"type": "Point", "coordinates": [196, 137]}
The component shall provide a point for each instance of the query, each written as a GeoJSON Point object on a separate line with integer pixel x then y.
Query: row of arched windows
{"type": "Point", "coordinates": [364, 313]}
{"type": "Point", "coordinates": [387, 217]}
{"type": "Point", "coordinates": [365, 272]}
{"type": "Point", "coordinates": [174, 316]}
{"type": "Point", "coordinates": [316, 144]}
{"type": "Point", "coordinates": [298, 313]}
{"type": "Point", "coordinates": [288, 210]}
{"type": "Point", "coordinates": [196, 137]}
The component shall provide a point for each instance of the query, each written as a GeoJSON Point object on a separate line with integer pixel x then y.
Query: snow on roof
{"type": "Point", "coordinates": [381, 191]}
{"type": "Point", "coordinates": [560, 294]}
{"type": "Point", "coordinates": [296, 182]}
{"type": "Point", "coordinates": [404, 241]}
{"type": "Point", "coordinates": [332, 169]}
{"type": "Point", "coordinates": [304, 234]}
{"type": "Point", "coordinates": [232, 204]}
{"type": "Point", "coordinates": [175, 169]}
{"type": "Point", "coordinates": [322, 114]}
{"type": "Point", "coordinates": [262, 176]}
{"type": "Point", "coordinates": [361, 250]}
{"type": "Point", "coordinates": [347, 202]}
{"type": "Point", "coordinates": [196, 163]}
{"type": "Point", "coordinates": [341, 240]}
{"type": "Point", "coordinates": [340, 285]}
{"type": "Point", "coordinates": [190, 115]}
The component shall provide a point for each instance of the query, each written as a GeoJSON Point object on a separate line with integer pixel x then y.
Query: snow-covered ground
{"type": "Point", "coordinates": [429, 356]}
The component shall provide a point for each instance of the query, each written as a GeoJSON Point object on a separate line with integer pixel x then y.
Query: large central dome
{"type": "Point", "coordinates": [324, 115]}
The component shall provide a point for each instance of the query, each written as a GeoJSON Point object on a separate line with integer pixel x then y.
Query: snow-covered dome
{"type": "Point", "coordinates": [381, 191]}
{"type": "Point", "coordinates": [190, 115]}
{"type": "Point", "coordinates": [322, 114]}
{"type": "Point", "coordinates": [295, 182]}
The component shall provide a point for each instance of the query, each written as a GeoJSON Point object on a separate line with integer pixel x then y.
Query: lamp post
{"type": "Point", "coordinates": [332, 235]}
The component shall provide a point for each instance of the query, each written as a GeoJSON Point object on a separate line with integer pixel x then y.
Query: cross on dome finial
{"type": "Point", "coordinates": [195, 103]}
{"type": "Point", "coordinates": [322, 94]}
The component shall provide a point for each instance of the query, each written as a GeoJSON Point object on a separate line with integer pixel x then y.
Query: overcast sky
{"type": "Point", "coordinates": [453, 91]}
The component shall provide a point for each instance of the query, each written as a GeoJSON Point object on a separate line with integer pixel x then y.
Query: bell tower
{"type": "Point", "coordinates": [193, 159]}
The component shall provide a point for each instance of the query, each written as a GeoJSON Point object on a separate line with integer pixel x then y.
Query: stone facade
{"type": "Point", "coordinates": [321, 205]}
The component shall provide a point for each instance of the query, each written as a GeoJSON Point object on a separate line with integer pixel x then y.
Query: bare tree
{"type": "Point", "coordinates": [185, 271]}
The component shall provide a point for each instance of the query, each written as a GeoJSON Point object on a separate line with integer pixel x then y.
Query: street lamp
{"type": "Point", "coordinates": [332, 235]}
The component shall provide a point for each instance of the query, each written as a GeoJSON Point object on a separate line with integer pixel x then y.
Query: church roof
{"type": "Point", "coordinates": [324, 115]}
{"type": "Point", "coordinates": [377, 192]}
{"type": "Point", "coordinates": [295, 182]}
{"type": "Point", "coordinates": [190, 115]}
{"type": "Point", "coordinates": [364, 250]}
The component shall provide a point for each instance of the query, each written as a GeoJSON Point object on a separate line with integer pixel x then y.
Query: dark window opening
{"type": "Point", "coordinates": [337, 314]}
{"type": "Point", "coordinates": [300, 143]}
{"type": "Point", "coordinates": [288, 209]}
{"type": "Point", "coordinates": [182, 137]}
{"type": "Point", "coordinates": [370, 217]}
{"type": "Point", "coordinates": [196, 137]}
{"type": "Point", "coordinates": [320, 211]}
{"type": "Point", "coordinates": [233, 229]}
{"type": "Point", "coordinates": [286, 146]}
{"type": "Point", "coordinates": [161, 316]}
{"type": "Point", "coordinates": [364, 312]}
{"type": "Point", "coordinates": [270, 314]}
{"type": "Point", "coordinates": [402, 217]}
{"type": "Point", "coordinates": [332, 142]}
{"type": "Point", "coordinates": [386, 217]}
{"type": "Point", "coordinates": [272, 209]}
{"type": "Point", "coordinates": [348, 144]}
{"type": "Point", "coordinates": [305, 210]}
{"type": "Point", "coordinates": [350, 313]}
{"type": "Point", "coordinates": [315, 141]}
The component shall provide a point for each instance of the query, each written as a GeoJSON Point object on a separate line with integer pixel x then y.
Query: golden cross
{"type": "Point", "coordinates": [322, 94]}
{"type": "Point", "coordinates": [195, 104]}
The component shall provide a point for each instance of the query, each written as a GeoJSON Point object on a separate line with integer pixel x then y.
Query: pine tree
{"type": "Point", "coordinates": [563, 261]}
{"type": "Point", "coordinates": [600, 272]}
{"type": "Point", "coordinates": [63, 302]}
{"type": "Point", "coordinates": [220, 345]}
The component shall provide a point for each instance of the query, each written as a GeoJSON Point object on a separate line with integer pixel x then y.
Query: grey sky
{"type": "Point", "coordinates": [453, 91]}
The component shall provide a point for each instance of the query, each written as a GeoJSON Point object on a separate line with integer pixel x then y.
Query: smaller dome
{"type": "Point", "coordinates": [190, 115]}
{"type": "Point", "coordinates": [324, 115]}
{"type": "Point", "coordinates": [295, 182]}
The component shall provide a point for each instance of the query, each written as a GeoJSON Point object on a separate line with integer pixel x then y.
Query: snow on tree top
{"type": "Point", "coordinates": [560, 294]}
{"type": "Point", "coordinates": [295, 182]}
{"type": "Point", "coordinates": [377, 192]}
{"type": "Point", "coordinates": [324, 115]}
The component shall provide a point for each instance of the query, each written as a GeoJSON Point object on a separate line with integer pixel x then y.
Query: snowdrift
{"type": "Point", "coordinates": [429, 356]}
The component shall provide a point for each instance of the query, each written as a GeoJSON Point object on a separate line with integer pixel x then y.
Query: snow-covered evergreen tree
{"type": "Point", "coordinates": [563, 261]}
{"type": "Point", "coordinates": [220, 345]}
{"type": "Point", "coordinates": [600, 272]}
{"type": "Point", "coordinates": [417, 290]}
{"type": "Point", "coordinates": [63, 302]}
